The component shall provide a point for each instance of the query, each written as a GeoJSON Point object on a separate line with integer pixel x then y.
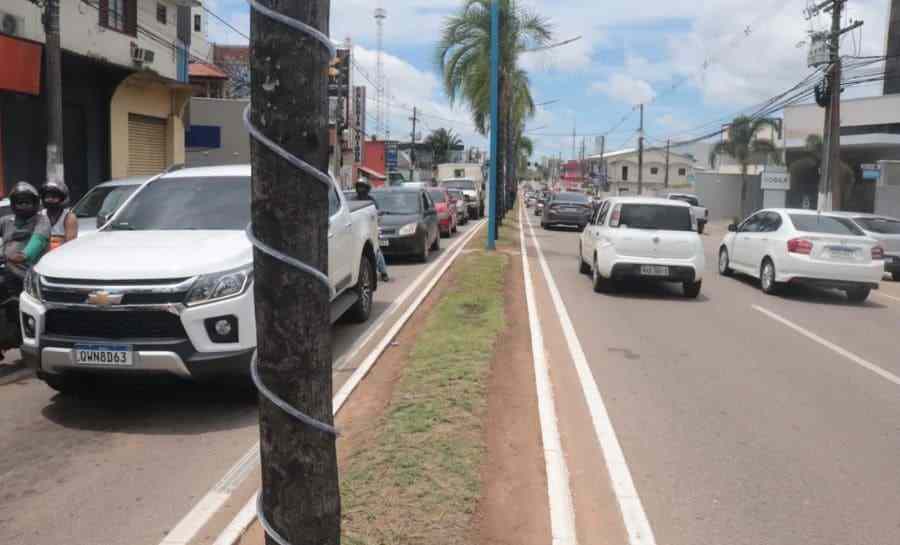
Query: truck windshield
{"type": "Point", "coordinates": [656, 216]}
{"type": "Point", "coordinates": [217, 204]}
{"type": "Point", "coordinates": [106, 199]}
{"type": "Point", "coordinates": [397, 202]}
{"type": "Point", "coordinates": [468, 185]}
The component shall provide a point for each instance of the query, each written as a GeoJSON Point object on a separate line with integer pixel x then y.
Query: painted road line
{"type": "Point", "coordinates": [239, 524]}
{"type": "Point", "coordinates": [634, 517]}
{"type": "Point", "coordinates": [188, 527]}
{"type": "Point", "coordinates": [887, 375]}
{"type": "Point", "coordinates": [341, 362]}
{"type": "Point", "coordinates": [891, 297]}
{"type": "Point", "coordinates": [360, 373]}
{"type": "Point", "coordinates": [562, 511]}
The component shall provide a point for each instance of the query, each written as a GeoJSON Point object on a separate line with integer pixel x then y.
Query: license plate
{"type": "Point", "coordinates": [654, 270]}
{"type": "Point", "coordinates": [104, 355]}
{"type": "Point", "coordinates": [384, 243]}
{"type": "Point", "coordinates": [842, 252]}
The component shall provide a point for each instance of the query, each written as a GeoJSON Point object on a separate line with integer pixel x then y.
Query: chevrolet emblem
{"type": "Point", "coordinates": [104, 298]}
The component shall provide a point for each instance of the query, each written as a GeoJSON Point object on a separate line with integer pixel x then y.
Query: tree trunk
{"type": "Point", "coordinates": [501, 152]}
{"type": "Point", "coordinates": [300, 495]}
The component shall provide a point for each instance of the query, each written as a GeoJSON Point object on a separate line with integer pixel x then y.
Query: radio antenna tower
{"type": "Point", "coordinates": [380, 16]}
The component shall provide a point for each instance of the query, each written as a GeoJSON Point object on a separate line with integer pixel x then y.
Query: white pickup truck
{"type": "Point", "coordinates": [701, 213]}
{"type": "Point", "coordinates": [166, 286]}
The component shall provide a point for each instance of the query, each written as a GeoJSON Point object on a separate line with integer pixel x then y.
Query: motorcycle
{"type": "Point", "coordinates": [10, 288]}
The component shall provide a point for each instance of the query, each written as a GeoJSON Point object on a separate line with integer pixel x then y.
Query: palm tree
{"type": "Point", "coordinates": [463, 56]}
{"type": "Point", "coordinates": [441, 142]}
{"type": "Point", "coordinates": [810, 162]}
{"type": "Point", "coordinates": [744, 146]}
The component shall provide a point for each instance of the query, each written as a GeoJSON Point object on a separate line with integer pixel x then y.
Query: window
{"type": "Point", "coordinates": [771, 222]}
{"type": "Point", "coordinates": [654, 170]}
{"type": "Point", "coordinates": [656, 216]}
{"type": "Point", "coordinates": [334, 202]}
{"type": "Point", "coordinates": [426, 202]}
{"type": "Point", "coordinates": [198, 23]}
{"type": "Point", "coordinates": [459, 173]}
{"type": "Point", "coordinates": [753, 224]}
{"type": "Point", "coordinates": [624, 174]}
{"type": "Point", "coordinates": [437, 195]}
{"type": "Point", "coordinates": [161, 14]}
{"type": "Point", "coordinates": [820, 223]}
{"type": "Point", "coordinates": [682, 172]}
{"type": "Point", "coordinates": [602, 213]}
{"type": "Point", "coordinates": [119, 15]}
{"type": "Point", "coordinates": [882, 226]}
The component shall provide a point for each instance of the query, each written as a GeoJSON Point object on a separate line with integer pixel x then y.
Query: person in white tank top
{"type": "Point", "coordinates": [63, 223]}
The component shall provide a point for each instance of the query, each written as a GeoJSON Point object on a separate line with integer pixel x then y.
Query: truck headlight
{"type": "Point", "coordinates": [218, 286]}
{"type": "Point", "coordinates": [32, 284]}
{"type": "Point", "coordinates": [408, 230]}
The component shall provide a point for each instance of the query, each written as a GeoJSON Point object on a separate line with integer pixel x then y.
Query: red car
{"type": "Point", "coordinates": [446, 210]}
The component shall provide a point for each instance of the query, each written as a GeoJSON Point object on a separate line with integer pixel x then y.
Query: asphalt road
{"type": "Point", "coordinates": [125, 470]}
{"type": "Point", "coordinates": [737, 428]}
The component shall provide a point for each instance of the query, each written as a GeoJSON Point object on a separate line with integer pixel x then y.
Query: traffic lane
{"type": "Point", "coordinates": [125, 469]}
{"type": "Point", "coordinates": [732, 430]}
{"type": "Point", "coordinates": [867, 330]}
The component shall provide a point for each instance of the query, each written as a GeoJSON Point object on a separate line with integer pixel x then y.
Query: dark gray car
{"type": "Point", "coordinates": [408, 222]}
{"type": "Point", "coordinates": [567, 208]}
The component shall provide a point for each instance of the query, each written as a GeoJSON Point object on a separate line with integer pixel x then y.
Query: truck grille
{"type": "Point", "coordinates": [100, 324]}
{"type": "Point", "coordinates": [68, 297]}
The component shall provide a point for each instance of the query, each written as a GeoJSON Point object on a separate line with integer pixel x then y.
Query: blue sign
{"type": "Point", "coordinates": [203, 137]}
{"type": "Point", "coordinates": [872, 175]}
{"type": "Point", "coordinates": [391, 153]}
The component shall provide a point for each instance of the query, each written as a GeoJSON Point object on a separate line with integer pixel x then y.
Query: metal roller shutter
{"type": "Point", "coordinates": [146, 145]}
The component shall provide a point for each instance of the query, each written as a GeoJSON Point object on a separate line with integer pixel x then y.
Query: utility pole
{"type": "Point", "coordinates": [495, 124]}
{"type": "Point", "coordinates": [668, 144]}
{"type": "Point", "coordinates": [574, 136]}
{"type": "Point", "coordinates": [641, 154]}
{"type": "Point", "coordinates": [581, 162]}
{"type": "Point", "coordinates": [53, 79]}
{"type": "Point", "coordinates": [830, 189]}
{"type": "Point", "coordinates": [603, 160]}
{"type": "Point", "coordinates": [300, 496]}
{"type": "Point", "coordinates": [412, 147]}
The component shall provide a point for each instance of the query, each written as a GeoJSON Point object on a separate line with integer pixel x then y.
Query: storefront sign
{"type": "Point", "coordinates": [775, 178]}
{"type": "Point", "coordinates": [21, 62]}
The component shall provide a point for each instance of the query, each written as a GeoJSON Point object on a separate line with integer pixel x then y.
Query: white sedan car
{"type": "Point", "coordinates": [643, 238]}
{"type": "Point", "coordinates": [886, 231]}
{"type": "Point", "coordinates": [784, 246]}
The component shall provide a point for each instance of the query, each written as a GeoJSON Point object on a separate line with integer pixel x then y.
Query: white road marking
{"type": "Point", "coordinates": [562, 511]}
{"type": "Point", "coordinates": [887, 375]}
{"type": "Point", "coordinates": [637, 526]}
{"type": "Point", "coordinates": [879, 294]}
{"type": "Point", "coordinates": [213, 501]}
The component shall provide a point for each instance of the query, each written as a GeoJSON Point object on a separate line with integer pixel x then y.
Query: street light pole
{"type": "Point", "coordinates": [641, 155]}
{"type": "Point", "coordinates": [495, 123]}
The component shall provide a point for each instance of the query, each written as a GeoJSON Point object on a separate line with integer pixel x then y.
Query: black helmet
{"type": "Point", "coordinates": [58, 188]}
{"type": "Point", "coordinates": [21, 193]}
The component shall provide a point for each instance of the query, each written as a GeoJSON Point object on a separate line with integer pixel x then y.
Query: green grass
{"type": "Point", "coordinates": [418, 479]}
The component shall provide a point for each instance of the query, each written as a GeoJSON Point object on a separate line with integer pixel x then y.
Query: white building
{"type": "Point", "coordinates": [622, 170]}
{"type": "Point", "coordinates": [124, 85]}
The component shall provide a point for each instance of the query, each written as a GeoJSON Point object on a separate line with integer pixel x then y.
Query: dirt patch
{"type": "Point", "coordinates": [513, 508]}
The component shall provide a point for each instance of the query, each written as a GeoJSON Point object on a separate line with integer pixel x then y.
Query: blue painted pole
{"type": "Point", "coordinates": [495, 123]}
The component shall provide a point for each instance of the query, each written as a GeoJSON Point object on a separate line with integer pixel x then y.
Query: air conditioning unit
{"type": "Point", "coordinates": [11, 24]}
{"type": "Point", "coordinates": [137, 53]}
{"type": "Point", "coordinates": [149, 55]}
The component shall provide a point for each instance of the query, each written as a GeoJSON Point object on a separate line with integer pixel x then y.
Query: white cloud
{"type": "Point", "coordinates": [625, 88]}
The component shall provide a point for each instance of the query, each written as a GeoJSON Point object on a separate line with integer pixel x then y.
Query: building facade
{"type": "Point", "coordinates": [622, 171]}
{"type": "Point", "coordinates": [892, 67]}
{"type": "Point", "coordinates": [124, 89]}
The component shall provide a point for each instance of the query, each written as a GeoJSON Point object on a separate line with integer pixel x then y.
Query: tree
{"type": "Point", "coordinates": [745, 146]}
{"type": "Point", "coordinates": [810, 161]}
{"type": "Point", "coordinates": [442, 142]}
{"type": "Point", "coordinates": [300, 494]}
{"type": "Point", "coordinates": [463, 57]}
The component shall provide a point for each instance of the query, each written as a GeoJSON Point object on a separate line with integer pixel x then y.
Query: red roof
{"type": "Point", "coordinates": [203, 70]}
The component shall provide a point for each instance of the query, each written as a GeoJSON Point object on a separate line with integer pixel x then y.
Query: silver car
{"type": "Point", "coordinates": [886, 231]}
{"type": "Point", "coordinates": [101, 202]}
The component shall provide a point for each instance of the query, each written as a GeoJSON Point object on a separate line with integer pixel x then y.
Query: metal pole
{"type": "Point", "coordinates": [668, 144]}
{"type": "Point", "coordinates": [54, 94]}
{"type": "Point", "coordinates": [641, 155]}
{"type": "Point", "coordinates": [412, 147]}
{"type": "Point", "coordinates": [495, 123]}
{"type": "Point", "coordinates": [603, 160]}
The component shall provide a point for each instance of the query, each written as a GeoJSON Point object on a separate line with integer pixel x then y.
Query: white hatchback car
{"type": "Point", "coordinates": [785, 246]}
{"type": "Point", "coordinates": [643, 238]}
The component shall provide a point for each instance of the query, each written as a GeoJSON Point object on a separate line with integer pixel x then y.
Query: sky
{"type": "Point", "coordinates": [693, 65]}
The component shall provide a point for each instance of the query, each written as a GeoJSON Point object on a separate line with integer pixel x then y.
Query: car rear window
{"type": "Point", "coordinates": [656, 216]}
{"type": "Point", "coordinates": [828, 225]}
{"type": "Point", "coordinates": [468, 185]}
{"type": "Point", "coordinates": [572, 197]}
{"type": "Point", "coordinates": [693, 201]}
{"type": "Point", "coordinates": [437, 195]}
{"type": "Point", "coordinates": [882, 226]}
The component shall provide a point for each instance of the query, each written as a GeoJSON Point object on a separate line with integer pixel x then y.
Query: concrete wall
{"type": "Point", "coordinates": [141, 94]}
{"type": "Point", "coordinates": [83, 34]}
{"type": "Point", "coordinates": [227, 115]}
{"type": "Point", "coordinates": [721, 194]}
{"type": "Point", "coordinates": [805, 119]}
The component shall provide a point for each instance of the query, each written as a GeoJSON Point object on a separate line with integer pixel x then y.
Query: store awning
{"type": "Point", "coordinates": [21, 71]}
{"type": "Point", "coordinates": [373, 174]}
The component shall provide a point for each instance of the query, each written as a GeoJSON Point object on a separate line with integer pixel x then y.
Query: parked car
{"type": "Point", "coordinates": [701, 213]}
{"type": "Point", "coordinates": [168, 289]}
{"type": "Point", "coordinates": [446, 210]}
{"type": "Point", "coordinates": [530, 200]}
{"type": "Point", "coordinates": [654, 240]}
{"type": "Point", "coordinates": [471, 189]}
{"type": "Point", "coordinates": [787, 246]}
{"type": "Point", "coordinates": [567, 208]}
{"type": "Point", "coordinates": [409, 222]}
{"type": "Point", "coordinates": [101, 202]}
{"type": "Point", "coordinates": [462, 210]}
{"type": "Point", "coordinates": [886, 231]}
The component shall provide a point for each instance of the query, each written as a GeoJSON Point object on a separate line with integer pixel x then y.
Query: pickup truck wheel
{"type": "Point", "coordinates": [858, 295]}
{"type": "Point", "coordinates": [436, 246]}
{"type": "Point", "coordinates": [583, 267]}
{"type": "Point", "coordinates": [365, 288]}
{"type": "Point", "coordinates": [601, 284]}
{"type": "Point", "coordinates": [701, 227]}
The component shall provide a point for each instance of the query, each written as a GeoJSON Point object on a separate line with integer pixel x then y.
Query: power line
{"type": "Point", "coordinates": [226, 23]}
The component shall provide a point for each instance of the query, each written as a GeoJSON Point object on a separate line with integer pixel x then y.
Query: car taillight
{"type": "Point", "coordinates": [800, 246]}
{"type": "Point", "coordinates": [877, 253]}
{"type": "Point", "coordinates": [441, 207]}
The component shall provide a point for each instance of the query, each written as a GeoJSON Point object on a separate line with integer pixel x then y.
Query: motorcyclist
{"type": "Point", "coordinates": [364, 193]}
{"type": "Point", "coordinates": [26, 232]}
{"type": "Point", "coordinates": [62, 220]}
